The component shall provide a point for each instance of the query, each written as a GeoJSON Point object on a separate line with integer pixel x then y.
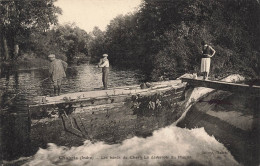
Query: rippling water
{"type": "Point", "coordinates": [17, 88]}
{"type": "Point", "coordinates": [79, 78]}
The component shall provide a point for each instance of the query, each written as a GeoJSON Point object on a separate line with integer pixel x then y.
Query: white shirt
{"type": "Point", "coordinates": [105, 64]}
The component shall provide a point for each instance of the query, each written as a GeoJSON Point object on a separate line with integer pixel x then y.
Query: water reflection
{"type": "Point", "coordinates": [17, 88]}
{"type": "Point", "coordinates": [79, 78]}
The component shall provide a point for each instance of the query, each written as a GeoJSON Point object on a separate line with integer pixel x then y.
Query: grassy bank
{"type": "Point", "coordinates": [32, 61]}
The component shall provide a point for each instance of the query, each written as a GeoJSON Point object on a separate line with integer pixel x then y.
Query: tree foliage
{"type": "Point", "coordinates": [68, 42]}
{"type": "Point", "coordinates": [72, 40]}
{"type": "Point", "coordinates": [96, 44]}
{"type": "Point", "coordinates": [163, 37]}
{"type": "Point", "coordinates": [19, 18]}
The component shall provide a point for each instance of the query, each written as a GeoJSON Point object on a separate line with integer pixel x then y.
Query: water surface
{"type": "Point", "coordinates": [18, 88]}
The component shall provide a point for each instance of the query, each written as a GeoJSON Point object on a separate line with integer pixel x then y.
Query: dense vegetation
{"type": "Point", "coordinates": [26, 35]}
{"type": "Point", "coordinates": [161, 38]}
{"type": "Point", "coordinates": [67, 42]}
{"type": "Point", "coordinates": [21, 18]}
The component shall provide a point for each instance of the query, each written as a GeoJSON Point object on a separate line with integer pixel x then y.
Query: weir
{"type": "Point", "coordinates": [110, 96]}
{"type": "Point", "coordinates": [112, 115]}
{"type": "Point", "coordinates": [117, 122]}
{"type": "Point", "coordinates": [230, 112]}
{"type": "Point", "coordinates": [251, 90]}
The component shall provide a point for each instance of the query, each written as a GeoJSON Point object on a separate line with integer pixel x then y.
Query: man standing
{"type": "Point", "coordinates": [104, 64]}
{"type": "Point", "coordinates": [57, 72]}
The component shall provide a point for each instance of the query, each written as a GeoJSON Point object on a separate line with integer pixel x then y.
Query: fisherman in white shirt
{"type": "Point", "coordinates": [104, 64]}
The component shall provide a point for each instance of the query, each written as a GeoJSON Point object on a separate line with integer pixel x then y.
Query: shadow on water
{"type": "Point", "coordinates": [242, 143]}
{"type": "Point", "coordinates": [18, 88]}
{"type": "Point", "coordinates": [15, 122]}
{"type": "Point", "coordinates": [256, 130]}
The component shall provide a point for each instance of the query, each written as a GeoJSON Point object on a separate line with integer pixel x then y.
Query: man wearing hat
{"type": "Point", "coordinates": [104, 64]}
{"type": "Point", "coordinates": [57, 72]}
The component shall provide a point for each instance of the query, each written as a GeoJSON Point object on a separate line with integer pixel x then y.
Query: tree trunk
{"type": "Point", "coordinates": [6, 51]}
{"type": "Point", "coordinates": [16, 51]}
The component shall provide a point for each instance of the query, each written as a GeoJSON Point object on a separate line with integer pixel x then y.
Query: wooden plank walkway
{"type": "Point", "coordinates": [225, 86]}
{"type": "Point", "coordinates": [113, 95]}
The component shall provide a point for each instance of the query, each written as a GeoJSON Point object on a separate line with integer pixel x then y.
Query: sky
{"type": "Point", "coordinates": [87, 14]}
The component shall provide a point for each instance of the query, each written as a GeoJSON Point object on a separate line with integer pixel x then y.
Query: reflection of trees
{"type": "Point", "coordinates": [5, 70]}
{"type": "Point", "coordinates": [15, 121]}
{"type": "Point", "coordinates": [5, 92]}
{"type": "Point", "coordinates": [15, 132]}
{"type": "Point", "coordinates": [256, 128]}
{"type": "Point", "coordinates": [72, 72]}
{"type": "Point", "coordinates": [16, 79]}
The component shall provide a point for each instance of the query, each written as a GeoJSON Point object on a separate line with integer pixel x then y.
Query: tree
{"type": "Point", "coordinates": [96, 44]}
{"type": "Point", "coordinates": [163, 37]}
{"type": "Point", "coordinates": [72, 40]}
{"type": "Point", "coordinates": [18, 18]}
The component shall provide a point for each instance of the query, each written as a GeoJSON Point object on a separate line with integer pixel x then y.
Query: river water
{"type": "Point", "coordinates": [79, 78]}
{"type": "Point", "coordinates": [19, 87]}
{"type": "Point", "coordinates": [168, 146]}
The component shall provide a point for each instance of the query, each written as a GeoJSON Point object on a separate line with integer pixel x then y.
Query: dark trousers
{"type": "Point", "coordinates": [57, 86]}
{"type": "Point", "coordinates": [105, 71]}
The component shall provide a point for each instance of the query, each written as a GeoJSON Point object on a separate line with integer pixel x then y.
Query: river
{"type": "Point", "coordinates": [169, 145]}
{"type": "Point", "coordinates": [20, 86]}
{"type": "Point", "coordinates": [84, 77]}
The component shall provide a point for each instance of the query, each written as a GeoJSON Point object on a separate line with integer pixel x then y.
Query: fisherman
{"type": "Point", "coordinates": [57, 72]}
{"type": "Point", "coordinates": [104, 64]}
{"type": "Point", "coordinates": [205, 61]}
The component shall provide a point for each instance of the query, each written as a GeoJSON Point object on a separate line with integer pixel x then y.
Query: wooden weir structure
{"type": "Point", "coordinates": [250, 90]}
{"type": "Point", "coordinates": [110, 96]}
{"type": "Point", "coordinates": [175, 88]}
{"type": "Point", "coordinates": [76, 109]}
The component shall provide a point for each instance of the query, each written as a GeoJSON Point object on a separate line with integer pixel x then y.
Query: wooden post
{"type": "Point", "coordinates": [16, 51]}
{"type": "Point", "coordinates": [6, 51]}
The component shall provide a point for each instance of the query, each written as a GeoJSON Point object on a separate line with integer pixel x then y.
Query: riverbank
{"type": "Point", "coordinates": [33, 62]}
{"type": "Point", "coordinates": [26, 62]}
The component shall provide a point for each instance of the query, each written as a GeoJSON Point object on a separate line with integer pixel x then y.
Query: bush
{"type": "Point", "coordinates": [154, 104]}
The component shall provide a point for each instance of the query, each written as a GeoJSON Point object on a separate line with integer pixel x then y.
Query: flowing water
{"type": "Point", "coordinates": [18, 88]}
{"type": "Point", "coordinates": [168, 146]}
{"type": "Point", "coordinates": [79, 78]}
